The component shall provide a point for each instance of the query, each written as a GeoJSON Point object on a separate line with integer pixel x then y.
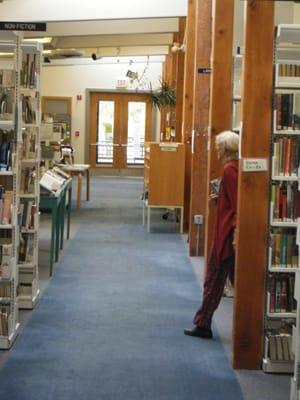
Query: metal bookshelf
{"type": "Point", "coordinates": [9, 128]}
{"type": "Point", "coordinates": [28, 290]}
{"type": "Point", "coordinates": [281, 323]}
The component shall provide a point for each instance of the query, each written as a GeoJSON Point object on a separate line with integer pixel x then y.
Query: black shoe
{"type": "Point", "coordinates": [197, 331]}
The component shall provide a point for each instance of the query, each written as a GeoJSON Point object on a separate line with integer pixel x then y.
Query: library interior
{"type": "Point", "coordinates": [149, 166]}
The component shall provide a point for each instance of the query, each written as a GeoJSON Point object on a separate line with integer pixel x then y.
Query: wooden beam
{"type": "Point", "coordinates": [253, 195]}
{"type": "Point", "coordinates": [220, 117]}
{"type": "Point", "coordinates": [179, 82]}
{"type": "Point", "coordinates": [200, 124]}
{"type": "Point", "coordinates": [188, 91]}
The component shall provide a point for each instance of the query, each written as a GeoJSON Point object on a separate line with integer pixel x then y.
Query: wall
{"type": "Point", "coordinates": [73, 80]}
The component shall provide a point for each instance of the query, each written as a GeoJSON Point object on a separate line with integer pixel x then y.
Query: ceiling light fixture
{"type": "Point", "coordinates": [44, 40]}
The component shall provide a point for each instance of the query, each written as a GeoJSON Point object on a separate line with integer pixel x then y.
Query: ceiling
{"type": "Point", "coordinates": [108, 38]}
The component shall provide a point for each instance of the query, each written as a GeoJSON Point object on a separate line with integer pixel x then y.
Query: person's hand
{"type": "Point", "coordinates": [213, 197]}
{"type": "Point", "coordinates": [234, 240]}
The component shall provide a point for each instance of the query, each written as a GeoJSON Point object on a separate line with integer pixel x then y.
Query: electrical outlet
{"type": "Point", "coordinates": [198, 219]}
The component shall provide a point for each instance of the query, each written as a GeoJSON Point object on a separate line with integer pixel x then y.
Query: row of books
{"type": "Point", "coordinates": [29, 146]}
{"type": "Point", "coordinates": [7, 78]}
{"type": "Point", "coordinates": [29, 109]}
{"type": "Point", "coordinates": [286, 201]}
{"type": "Point", "coordinates": [27, 179]}
{"type": "Point", "coordinates": [5, 290]}
{"type": "Point", "coordinates": [287, 111]}
{"type": "Point", "coordinates": [289, 70]}
{"type": "Point", "coordinates": [6, 204]}
{"type": "Point", "coordinates": [5, 320]}
{"type": "Point", "coordinates": [26, 248]}
{"type": "Point", "coordinates": [280, 347]}
{"type": "Point", "coordinates": [286, 157]}
{"type": "Point", "coordinates": [284, 250]}
{"type": "Point", "coordinates": [281, 288]}
{"type": "Point", "coordinates": [28, 71]}
{"type": "Point", "coordinates": [7, 149]}
{"type": "Point", "coordinates": [24, 289]}
{"type": "Point", "coordinates": [7, 99]}
{"type": "Point", "coordinates": [28, 213]}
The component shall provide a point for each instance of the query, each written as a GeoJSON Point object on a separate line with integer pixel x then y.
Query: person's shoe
{"type": "Point", "coordinates": [197, 331]}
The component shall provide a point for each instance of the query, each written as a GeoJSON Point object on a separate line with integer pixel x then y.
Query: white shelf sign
{"type": "Point", "coordinates": [255, 164]}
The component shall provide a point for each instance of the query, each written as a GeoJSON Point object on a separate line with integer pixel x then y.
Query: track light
{"type": "Point", "coordinates": [95, 56]}
{"type": "Point", "coordinates": [177, 47]}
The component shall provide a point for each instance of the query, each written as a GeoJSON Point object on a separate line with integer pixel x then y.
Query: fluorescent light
{"type": "Point", "coordinates": [6, 54]}
{"type": "Point", "coordinates": [44, 40]}
{"type": "Point", "coordinates": [47, 51]}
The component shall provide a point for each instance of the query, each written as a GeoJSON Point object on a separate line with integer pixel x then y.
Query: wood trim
{"type": "Point", "coordinates": [253, 195]}
{"type": "Point", "coordinates": [179, 82]}
{"type": "Point", "coordinates": [120, 123]}
{"type": "Point", "coordinates": [200, 123]}
{"type": "Point", "coordinates": [220, 112]}
{"type": "Point", "coordinates": [187, 114]}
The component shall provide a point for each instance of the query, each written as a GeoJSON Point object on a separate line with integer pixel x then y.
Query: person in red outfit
{"type": "Point", "coordinates": [221, 260]}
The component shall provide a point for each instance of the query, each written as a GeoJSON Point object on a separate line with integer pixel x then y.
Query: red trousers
{"type": "Point", "coordinates": [214, 283]}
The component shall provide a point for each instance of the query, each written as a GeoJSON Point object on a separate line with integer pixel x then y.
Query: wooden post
{"type": "Point", "coordinates": [253, 196]}
{"type": "Point", "coordinates": [200, 123]}
{"type": "Point", "coordinates": [220, 117]}
{"type": "Point", "coordinates": [179, 82]}
{"type": "Point", "coordinates": [187, 126]}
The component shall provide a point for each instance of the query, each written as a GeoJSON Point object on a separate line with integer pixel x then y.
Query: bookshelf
{"type": "Point", "coordinates": [9, 141]}
{"type": "Point", "coordinates": [28, 184]}
{"type": "Point", "coordinates": [164, 178]}
{"type": "Point", "coordinates": [283, 253]}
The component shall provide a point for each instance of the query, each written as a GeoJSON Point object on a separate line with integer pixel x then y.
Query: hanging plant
{"type": "Point", "coordinates": [164, 96]}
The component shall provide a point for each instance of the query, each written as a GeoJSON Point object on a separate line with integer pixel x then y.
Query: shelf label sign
{"type": "Point", "coordinates": [23, 26]}
{"type": "Point", "coordinates": [255, 164]}
{"type": "Point", "coordinates": [204, 70]}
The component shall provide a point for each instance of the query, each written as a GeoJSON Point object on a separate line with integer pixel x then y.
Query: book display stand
{"type": "Point", "coordinates": [164, 178]}
{"type": "Point", "coordinates": [283, 260]}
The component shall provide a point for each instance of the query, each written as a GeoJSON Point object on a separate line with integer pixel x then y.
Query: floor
{"type": "Point", "coordinates": [253, 384]}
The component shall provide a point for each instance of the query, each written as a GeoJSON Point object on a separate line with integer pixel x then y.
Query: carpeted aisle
{"type": "Point", "coordinates": [110, 324]}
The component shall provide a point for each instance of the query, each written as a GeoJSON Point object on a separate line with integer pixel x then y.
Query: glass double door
{"type": "Point", "coordinates": [120, 125]}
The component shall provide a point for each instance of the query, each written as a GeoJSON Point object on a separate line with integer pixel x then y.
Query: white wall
{"type": "Point", "coordinates": [73, 80]}
{"type": "Point", "coordinates": [67, 10]}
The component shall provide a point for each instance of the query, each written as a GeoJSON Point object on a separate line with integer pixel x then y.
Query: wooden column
{"type": "Point", "coordinates": [200, 124]}
{"type": "Point", "coordinates": [188, 97]}
{"type": "Point", "coordinates": [220, 117]}
{"type": "Point", "coordinates": [180, 56]}
{"type": "Point", "coordinates": [253, 196]}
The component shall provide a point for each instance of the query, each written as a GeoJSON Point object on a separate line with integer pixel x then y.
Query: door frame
{"type": "Point", "coordinates": [88, 124]}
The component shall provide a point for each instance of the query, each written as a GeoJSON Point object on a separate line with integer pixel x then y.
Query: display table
{"type": "Point", "coordinates": [60, 206]}
{"type": "Point", "coordinates": [79, 170]}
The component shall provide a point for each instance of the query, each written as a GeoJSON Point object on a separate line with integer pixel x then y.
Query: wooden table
{"type": "Point", "coordinates": [79, 170]}
{"type": "Point", "coordinates": [58, 203]}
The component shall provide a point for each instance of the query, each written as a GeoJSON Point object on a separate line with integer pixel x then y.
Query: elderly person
{"type": "Point", "coordinates": [221, 260]}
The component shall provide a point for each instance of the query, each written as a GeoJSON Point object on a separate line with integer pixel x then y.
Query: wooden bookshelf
{"type": "Point", "coordinates": [164, 177]}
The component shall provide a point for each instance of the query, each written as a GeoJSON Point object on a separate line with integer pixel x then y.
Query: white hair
{"type": "Point", "coordinates": [230, 142]}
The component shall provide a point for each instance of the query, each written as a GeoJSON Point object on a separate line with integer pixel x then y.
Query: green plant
{"type": "Point", "coordinates": [164, 96]}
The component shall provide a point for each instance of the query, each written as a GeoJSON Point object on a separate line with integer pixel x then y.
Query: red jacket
{"type": "Point", "coordinates": [226, 213]}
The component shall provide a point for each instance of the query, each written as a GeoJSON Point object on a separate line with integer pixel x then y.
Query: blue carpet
{"type": "Point", "coordinates": [110, 324]}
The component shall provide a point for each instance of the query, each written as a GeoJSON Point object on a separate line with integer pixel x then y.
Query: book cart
{"type": "Point", "coordinates": [29, 163]}
{"type": "Point", "coordinates": [283, 259]}
{"type": "Point", "coordinates": [163, 178]}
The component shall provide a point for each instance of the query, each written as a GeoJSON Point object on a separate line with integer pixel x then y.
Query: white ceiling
{"type": "Point", "coordinates": [72, 10]}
